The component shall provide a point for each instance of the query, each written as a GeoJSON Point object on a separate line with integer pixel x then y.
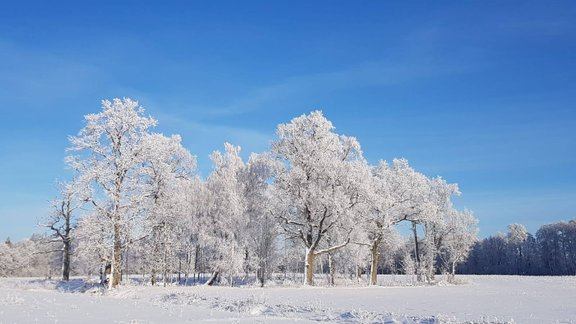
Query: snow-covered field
{"type": "Point", "coordinates": [483, 299]}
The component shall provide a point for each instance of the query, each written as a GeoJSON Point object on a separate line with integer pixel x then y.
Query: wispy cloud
{"type": "Point", "coordinates": [377, 73]}
{"type": "Point", "coordinates": [202, 138]}
{"type": "Point", "coordinates": [201, 129]}
{"type": "Point", "coordinates": [35, 78]}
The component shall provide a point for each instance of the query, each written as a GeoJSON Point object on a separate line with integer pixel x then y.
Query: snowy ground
{"type": "Point", "coordinates": [484, 299]}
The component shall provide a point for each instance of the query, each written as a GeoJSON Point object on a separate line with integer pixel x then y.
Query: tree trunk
{"type": "Point", "coordinates": [116, 267]}
{"type": "Point", "coordinates": [374, 266]}
{"type": "Point", "coordinates": [103, 273]}
{"type": "Point", "coordinates": [331, 270]}
{"type": "Point", "coordinates": [165, 264]}
{"type": "Point", "coordinates": [116, 270]}
{"type": "Point", "coordinates": [196, 258]}
{"type": "Point", "coordinates": [126, 259]}
{"type": "Point", "coordinates": [153, 276]}
{"type": "Point", "coordinates": [179, 269]}
{"type": "Point", "coordinates": [262, 273]}
{"type": "Point", "coordinates": [187, 268]}
{"type": "Point", "coordinates": [66, 261]}
{"type": "Point", "coordinates": [309, 267]}
{"type": "Point", "coordinates": [212, 280]}
{"type": "Point", "coordinates": [416, 253]}
{"type": "Point", "coordinates": [520, 263]}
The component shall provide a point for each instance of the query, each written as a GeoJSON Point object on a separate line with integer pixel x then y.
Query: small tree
{"type": "Point", "coordinates": [61, 221]}
{"type": "Point", "coordinates": [459, 241]}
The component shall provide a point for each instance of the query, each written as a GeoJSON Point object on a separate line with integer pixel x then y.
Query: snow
{"type": "Point", "coordinates": [483, 299]}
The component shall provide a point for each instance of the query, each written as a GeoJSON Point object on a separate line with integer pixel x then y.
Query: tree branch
{"type": "Point", "coordinates": [334, 248]}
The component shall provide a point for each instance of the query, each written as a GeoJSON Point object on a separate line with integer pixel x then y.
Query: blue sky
{"type": "Point", "coordinates": [482, 93]}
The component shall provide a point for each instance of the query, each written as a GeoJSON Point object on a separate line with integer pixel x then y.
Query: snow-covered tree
{"type": "Point", "coordinates": [109, 153]}
{"type": "Point", "coordinates": [73, 196]}
{"type": "Point", "coordinates": [557, 244]}
{"type": "Point", "coordinates": [225, 220]}
{"type": "Point", "coordinates": [33, 257]}
{"type": "Point", "coordinates": [391, 250]}
{"type": "Point", "coordinates": [314, 185]}
{"type": "Point", "coordinates": [459, 239]}
{"type": "Point", "coordinates": [378, 216]}
{"type": "Point", "coordinates": [262, 228]}
{"type": "Point", "coordinates": [196, 198]}
{"type": "Point", "coordinates": [410, 196]}
{"type": "Point", "coordinates": [7, 259]}
{"type": "Point", "coordinates": [167, 169]}
{"type": "Point", "coordinates": [439, 222]}
{"type": "Point", "coordinates": [517, 235]}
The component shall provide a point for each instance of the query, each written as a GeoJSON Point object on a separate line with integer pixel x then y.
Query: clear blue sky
{"type": "Point", "coordinates": [482, 93]}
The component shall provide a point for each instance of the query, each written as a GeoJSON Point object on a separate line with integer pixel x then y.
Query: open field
{"type": "Point", "coordinates": [483, 299]}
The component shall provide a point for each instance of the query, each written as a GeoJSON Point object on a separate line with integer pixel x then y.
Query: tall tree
{"type": "Point", "coordinates": [108, 152]}
{"type": "Point", "coordinates": [378, 219]}
{"type": "Point", "coordinates": [225, 221]}
{"type": "Point", "coordinates": [167, 169]}
{"type": "Point", "coordinates": [410, 194]}
{"type": "Point", "coordinates": [439, 222]}
{"type": "Point", "coordinates": [517, 236]}
{"type": "Point", "coordinates": [315, 184]}
{"type": "Point", "coordinates": [557, 244]}
{"type": "Point", "coordinates": [262, 229]}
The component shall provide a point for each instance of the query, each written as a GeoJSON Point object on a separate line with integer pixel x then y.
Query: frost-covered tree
{"type": "Point", "coordinates": [262, 228]}
{"type": "Point", "coordinates": [391, 251]}
{"type": "Point", "coordinates": [459, 239]}
{"type": "Point", "coordinates": [314, 185]}
{"type": "Point", "coordinates": [109, 154]}
{"type": "Point", "coordinates": [92, 250]}
{"type": "Point", "coordinates": [225, 221]}
{"type": "Point", "coordinates": [439, 222]}
{"type": "Point", "coordinates": [517, 236]}
{"type": "Point", "coordinates": [73, 196]}
{"type": "Point", "coordinates": [410, 196]}
{"type": "Point", "coordinates": [379, 213]}
{"type": "Point", "coordinates": [8, 262]}
{"type": "Point", "coordinates": [196, 198]}
{"type": "Point", "coordinates": [33, 257]}
{"type": "Point", "coordinates": [557, 244]}
{"type": "Point", "coordinates": [167, 169]}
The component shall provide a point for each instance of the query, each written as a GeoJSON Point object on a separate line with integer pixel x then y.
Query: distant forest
{"type": "Point", "coordinates": [552, 251]}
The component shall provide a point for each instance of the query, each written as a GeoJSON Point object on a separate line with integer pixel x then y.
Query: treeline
{"type": "Point", "coordinates": [30, 258]}
{"type": "Point", "coordinates": [552, 251]}
{"type": "Point", "coordinates": [311, 204]}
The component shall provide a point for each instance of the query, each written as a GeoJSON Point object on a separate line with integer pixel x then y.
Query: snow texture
{"type": "Point", "coordinates": [483, 299]}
